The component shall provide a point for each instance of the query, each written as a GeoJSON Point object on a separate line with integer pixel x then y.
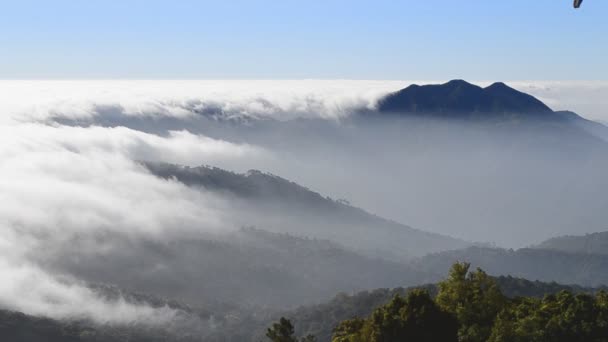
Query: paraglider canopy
{"type": "Point", "coordinates": [577, 3]}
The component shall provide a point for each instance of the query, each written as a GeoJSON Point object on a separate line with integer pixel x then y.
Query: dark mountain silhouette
{"type": "Point", "coordinates": [459, 99]}
{"type": "Point", "coordinates": [500, 111]}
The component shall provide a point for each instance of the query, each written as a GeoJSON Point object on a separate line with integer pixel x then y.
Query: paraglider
{"type": "Point", "coordinates": [577, 3]}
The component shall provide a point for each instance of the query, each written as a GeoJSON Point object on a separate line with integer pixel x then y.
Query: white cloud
{"type": "Point", "coordinates": [59, 182]}
{"type": "Point", "coordinates": [38, 100]}
{"type": "Point", "coordinates": [26, 288]}
{"type": "Point", "coordinates": [286, 99]}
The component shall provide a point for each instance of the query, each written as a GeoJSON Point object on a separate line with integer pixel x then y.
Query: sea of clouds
{"type": "Point", "coordinates": [59, 182]}
{"type": "Point", "coordinates": [281, 100]}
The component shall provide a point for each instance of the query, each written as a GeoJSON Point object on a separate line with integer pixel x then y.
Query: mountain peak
{"type": "Point", "coordinates": [458, 82]}
{"type": "Point", "coordinates": [498, 85]}
{"type": "Point", "coordinates": [461, 99]}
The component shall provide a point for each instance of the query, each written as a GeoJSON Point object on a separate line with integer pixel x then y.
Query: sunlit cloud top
{"type": "Point", "coordinates": [282, 100]}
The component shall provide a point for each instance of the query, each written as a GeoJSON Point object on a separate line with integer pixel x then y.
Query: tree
{"type": "Point", "coordinates": [282, 331]}
{"type": "Point", "coordinates": [474, 298]}
{"type": "Point", "coordinates": [413, 318]}
{"type": "Point", "coordinates": [563, 317]}
{"type": "Point", "coordinates": [470, 308]}
{"type": "Point", "coordinates": [308, 338]}
{"type": "Point", "coordinates": [350, 331]}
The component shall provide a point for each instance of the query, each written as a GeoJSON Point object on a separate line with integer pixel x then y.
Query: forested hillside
{"type": "Point", "coordinates": [467, 306]}
{"type": "Point", "coordinates": [320, 320]}
{"type": "Point", "coordinates": [248, 267]}
{"type": "Point", "coordinates": [227, 323]}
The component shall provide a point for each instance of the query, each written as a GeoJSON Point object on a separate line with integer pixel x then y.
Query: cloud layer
{"type": "Point", "coordinates": [59, 183]}
{"type": "Point", "coordinates": [39, 100]}
{"type": "Point", "coordinates": [283, 100]}
{"type": "Point", "coordinates": [26, 288]}
{"type": "Point", "coordinates": [62, 182]}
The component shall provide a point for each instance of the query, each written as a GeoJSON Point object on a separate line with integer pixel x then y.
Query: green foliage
{"type": "Point", "coordinates": [563, 317]}
{"type": "Point", "coordinates": [413, 318]}
{"type": "Point", "coordinates": [469, 306]}
{"type": "Point", "coordinates": [283, 331]}
{"type": "Point", "coordinates": [474, 298]}
{"type": "Point", "coordinates": [541, 312]}
{"type": "Point", "coordinates": [350, 331]}
{"type": "Point", "coordinates": [322, 319]}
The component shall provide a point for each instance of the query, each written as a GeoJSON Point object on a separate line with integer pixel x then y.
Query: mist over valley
{"type": "Point", "coordinates": [205, 217]}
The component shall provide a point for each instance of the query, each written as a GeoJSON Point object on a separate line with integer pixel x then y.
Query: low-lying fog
{"type": "Point", "coordinates": [70, 171]}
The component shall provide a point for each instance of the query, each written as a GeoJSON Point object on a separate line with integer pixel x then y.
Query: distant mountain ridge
{"type": "Point", "coordinates": [284, 206]}
{"type": "Point", "coordinates": [543, 264]}
{"type": "Point", "coordinates": [597, 129]}
{"type": "Point", "coordinates": [249, 267]}
{"type": "Point", "coordinates": [460, 99]}
{"type": "Point", "coordinates": [595, 243]}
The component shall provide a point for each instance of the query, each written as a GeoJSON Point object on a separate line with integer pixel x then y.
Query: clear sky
{"type": "Point", "coordinates": [279, 39]}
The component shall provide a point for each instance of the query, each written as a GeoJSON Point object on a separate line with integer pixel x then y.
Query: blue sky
{"type": "Point", "coordinates": [285, 39]}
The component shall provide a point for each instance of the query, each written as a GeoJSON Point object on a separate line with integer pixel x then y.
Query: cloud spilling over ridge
{"type": "Point", "coordinates": [179, 147]}
{"type": "Point", "coordinates": [53, 184]}
{"type": "Point", "coordinates": [59, 183]}
{"type": "Point", "coordinates": [39, 100]}
{"type": "Point", "coordinates": [282, 100]}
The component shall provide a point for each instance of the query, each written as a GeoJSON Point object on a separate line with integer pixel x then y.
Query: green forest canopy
{"type": "Point", "coordinates": [470, 307]}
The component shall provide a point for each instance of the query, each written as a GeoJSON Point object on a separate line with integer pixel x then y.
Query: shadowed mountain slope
{"type": "Point", "coordinates": [249, 267]}
{"type": "Point", "coordinates": [594, 128]}
{"type": "Point", "coordinates": [277, 204]}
